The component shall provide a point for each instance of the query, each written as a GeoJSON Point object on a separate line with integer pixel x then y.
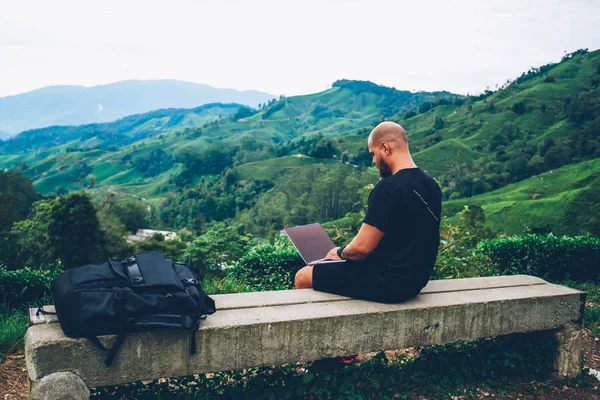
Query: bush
{"type": "Point", "coordinates": [546, 256]}
{"type": "Point", "coordinates": [25, 286]}
{"type": "Point", "coordinates": [269, 267]}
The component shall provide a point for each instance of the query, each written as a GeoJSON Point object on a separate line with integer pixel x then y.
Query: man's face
{"type": "Point", "coordinates": [377, 153]}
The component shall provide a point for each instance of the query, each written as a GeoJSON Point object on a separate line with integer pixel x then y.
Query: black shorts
{"type": "Point", "coordinates": [357, 279]}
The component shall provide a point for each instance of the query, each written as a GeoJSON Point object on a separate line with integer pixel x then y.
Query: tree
{"type": "Point", "coordinates": [172, 249]}
{"type": "Point", "coordinates": [518, 108]}
{"type": "Point", "coordinates": [410, 114]}
{"type": "Point", "coordinates": [17, 194]}
{"type": "Point", "coordinates": [28, 240]}
{"type": "Point", "coordinates": [220, 244]}
{"type": "Point", "coordinates": [132, 214]}
{"type": "Point", "coordinates": [472, 219]}
{"type": "Point", "coordinates": [74, 231]}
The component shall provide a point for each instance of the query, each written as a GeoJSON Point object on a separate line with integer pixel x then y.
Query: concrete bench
{"type": "Point", "coordinates": [269, 328]}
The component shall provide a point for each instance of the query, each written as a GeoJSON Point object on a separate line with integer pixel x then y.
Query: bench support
{"type": "Point", "coordinates": [59, 386]}
{"type": "Point", "coordinates": [568, 362]}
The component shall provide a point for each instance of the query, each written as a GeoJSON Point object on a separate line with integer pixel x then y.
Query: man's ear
{"type": "Point", "coordinates": [385, 147]}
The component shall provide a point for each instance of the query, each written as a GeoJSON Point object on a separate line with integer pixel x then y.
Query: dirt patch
{"type": "Point", "coordinates": [591, 350]}
{"type": "Point", "coordinates": [13, 378]}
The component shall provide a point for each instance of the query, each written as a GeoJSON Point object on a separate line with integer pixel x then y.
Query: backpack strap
{"type": "Point", "coordinates": [133, 271]}
{"type": "Point", "coordinates": [42, 311]}
{"type": "Point", "coordinates": [112, 351]}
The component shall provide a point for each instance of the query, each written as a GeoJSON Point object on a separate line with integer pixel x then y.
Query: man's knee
{"type": "Point", "coordinates": [303, 277]}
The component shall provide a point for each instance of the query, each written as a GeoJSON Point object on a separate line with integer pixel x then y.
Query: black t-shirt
{"type": "Point", "coordinates": [407, 207]}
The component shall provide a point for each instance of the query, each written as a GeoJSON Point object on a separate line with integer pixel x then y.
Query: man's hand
{"type": "Point", "coordinates": [332, 254]}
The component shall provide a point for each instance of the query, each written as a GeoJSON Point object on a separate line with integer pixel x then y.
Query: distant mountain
{"type": "Point", "coordinates": [77, 105]}
{"type": "Point", "coordinates": [117, 133]}
{"type": "Point", "coordinates": [4, 135]}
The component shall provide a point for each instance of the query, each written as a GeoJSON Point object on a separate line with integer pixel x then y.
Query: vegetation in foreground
{"type": "Point", "coordinates": [518, 362]}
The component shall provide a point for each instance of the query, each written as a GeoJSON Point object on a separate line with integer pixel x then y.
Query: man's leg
{"type": "Point", "coordinates": [304, 278]}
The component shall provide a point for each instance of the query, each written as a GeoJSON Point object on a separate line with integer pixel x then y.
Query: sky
{"type": "Point", "coordinates": [288, 47]}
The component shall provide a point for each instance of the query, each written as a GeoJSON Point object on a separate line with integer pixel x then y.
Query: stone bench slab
{"type": "Point", "coordinates": [267, 328]}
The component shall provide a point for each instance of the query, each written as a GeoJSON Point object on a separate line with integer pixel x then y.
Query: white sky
{"type": "Point", "coordinates": [288, 47]}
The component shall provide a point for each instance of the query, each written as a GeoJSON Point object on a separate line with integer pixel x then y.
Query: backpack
{"type": "Point", "coordinates": [144, 292]}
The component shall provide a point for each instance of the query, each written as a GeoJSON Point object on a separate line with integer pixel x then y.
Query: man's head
{"type": "Point", "coordinates": [388, 144]}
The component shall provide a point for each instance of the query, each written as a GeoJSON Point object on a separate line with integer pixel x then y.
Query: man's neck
{"type": "Point", "coordinates": [403, 163]}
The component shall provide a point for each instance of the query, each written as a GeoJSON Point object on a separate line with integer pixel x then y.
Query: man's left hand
{"type": "Point", "coordinates": [332, 254]}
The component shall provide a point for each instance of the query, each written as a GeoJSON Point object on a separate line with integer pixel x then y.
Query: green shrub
{"type": "Point", "coordinates": [24, 286]}
{"type": "Point", "coordinates": [269, 267]}
{"type": "Point", "coordinates": [546, 256]}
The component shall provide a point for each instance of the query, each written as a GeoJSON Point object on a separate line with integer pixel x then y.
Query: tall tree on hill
{"type": "Point", "coordinates": [16, 196]}
{"type": "Point", "coordinates": [74, 231]}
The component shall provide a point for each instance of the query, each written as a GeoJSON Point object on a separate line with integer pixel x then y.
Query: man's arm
{"type": "Point", "coordinates": [361, 246]}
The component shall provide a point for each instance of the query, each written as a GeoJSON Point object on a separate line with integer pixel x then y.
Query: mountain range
{"type": "Point", "coordinates": [77, 105]}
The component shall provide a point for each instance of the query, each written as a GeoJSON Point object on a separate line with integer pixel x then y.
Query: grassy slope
{"type": "Point", "coordinates": [562, 195]}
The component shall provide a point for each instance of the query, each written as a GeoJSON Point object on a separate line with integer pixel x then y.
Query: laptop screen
{"type": "Point", "coordinates": [311, 241]}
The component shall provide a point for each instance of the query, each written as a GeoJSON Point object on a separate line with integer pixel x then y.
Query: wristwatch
{"type": "Point", "coordinates": [339, 251]}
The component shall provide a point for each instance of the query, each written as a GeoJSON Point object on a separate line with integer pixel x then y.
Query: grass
{"type": "Point", "coordinates": [13, 325]}
{"type": "Point", "coordinates": [214, 284]}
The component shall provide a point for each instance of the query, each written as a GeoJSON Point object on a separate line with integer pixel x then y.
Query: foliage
{"type": "Point", "coordinates": [392, 101]}
{"type": "Point", "coordinates": [28, 241]}
{"type": "Point", "coordinates": [26, 285]}
{"type": "Point", "coordinates": [155, 163]}
{"type": "Point", "coordinates": [221, 245]}
{"type": "Point", "coordinates": [243, 112]}
{"type": "Point", "coordinates": [547, 256]}
{"type": "Point", "coordinates": [591, 316]}
{"type": "Point", "coordinates": [13, 325]}
{"type": "Point", "coordinates": [211, 160]}
{"type": "Point", "coordinates": [212, 199]}
{"type": "Point", "coordinates": [119, 133]}
{"type": "Point", "coordinates": [132, 213]}
{"type": "Point", "coordinates": [269, 267]}
{"type": "Point", "coordinates": [74, 231]}
{"type": "Point", "coordinates": [455, 257]}
{"type": "Point", "coordinates": [438, 372]}
{"type": "Point", "coordinates": [16, 196]}
{"type": "Point", "coordinates": [273, 108]}
{"type": "Point", "coordinates": [215, 284]}
{"type": "Point", "coordinates": [171, 249]}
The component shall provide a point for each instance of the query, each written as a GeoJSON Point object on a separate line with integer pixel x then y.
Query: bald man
{"type": "Point", "coordinates": [391, 258]}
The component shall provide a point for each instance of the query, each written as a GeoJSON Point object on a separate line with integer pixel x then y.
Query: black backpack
{"type": "Point", "coordinates": [144, 292]}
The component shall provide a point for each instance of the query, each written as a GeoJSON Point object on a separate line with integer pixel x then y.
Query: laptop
{"type": "Point", "coordinates": [312, 242]}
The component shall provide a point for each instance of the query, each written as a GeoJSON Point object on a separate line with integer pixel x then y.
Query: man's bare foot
{"type": "Point", "coordinates": [349, 360]}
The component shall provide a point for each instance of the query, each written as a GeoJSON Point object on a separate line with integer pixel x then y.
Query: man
{"type": "Point", "coordinates": [391, 258]}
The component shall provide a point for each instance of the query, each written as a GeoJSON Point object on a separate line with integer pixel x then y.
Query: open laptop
{"type": "Point", "coordinates": [312, 242]}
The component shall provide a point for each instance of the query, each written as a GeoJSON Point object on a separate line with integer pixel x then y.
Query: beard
{"type": "Point", "coordinates": [384, 169]}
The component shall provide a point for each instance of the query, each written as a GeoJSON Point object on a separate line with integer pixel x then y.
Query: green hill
{"type": "Point", "coordinates": [565, 201]}
{"type": "Point", "coordinates": [295, 158]}
{"type": "Point", "coordinates": [115, 155]}
{"type": "Point", "coordinates": [545, 119]}
{"type": "Point", "coordinates": [118, 133]}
